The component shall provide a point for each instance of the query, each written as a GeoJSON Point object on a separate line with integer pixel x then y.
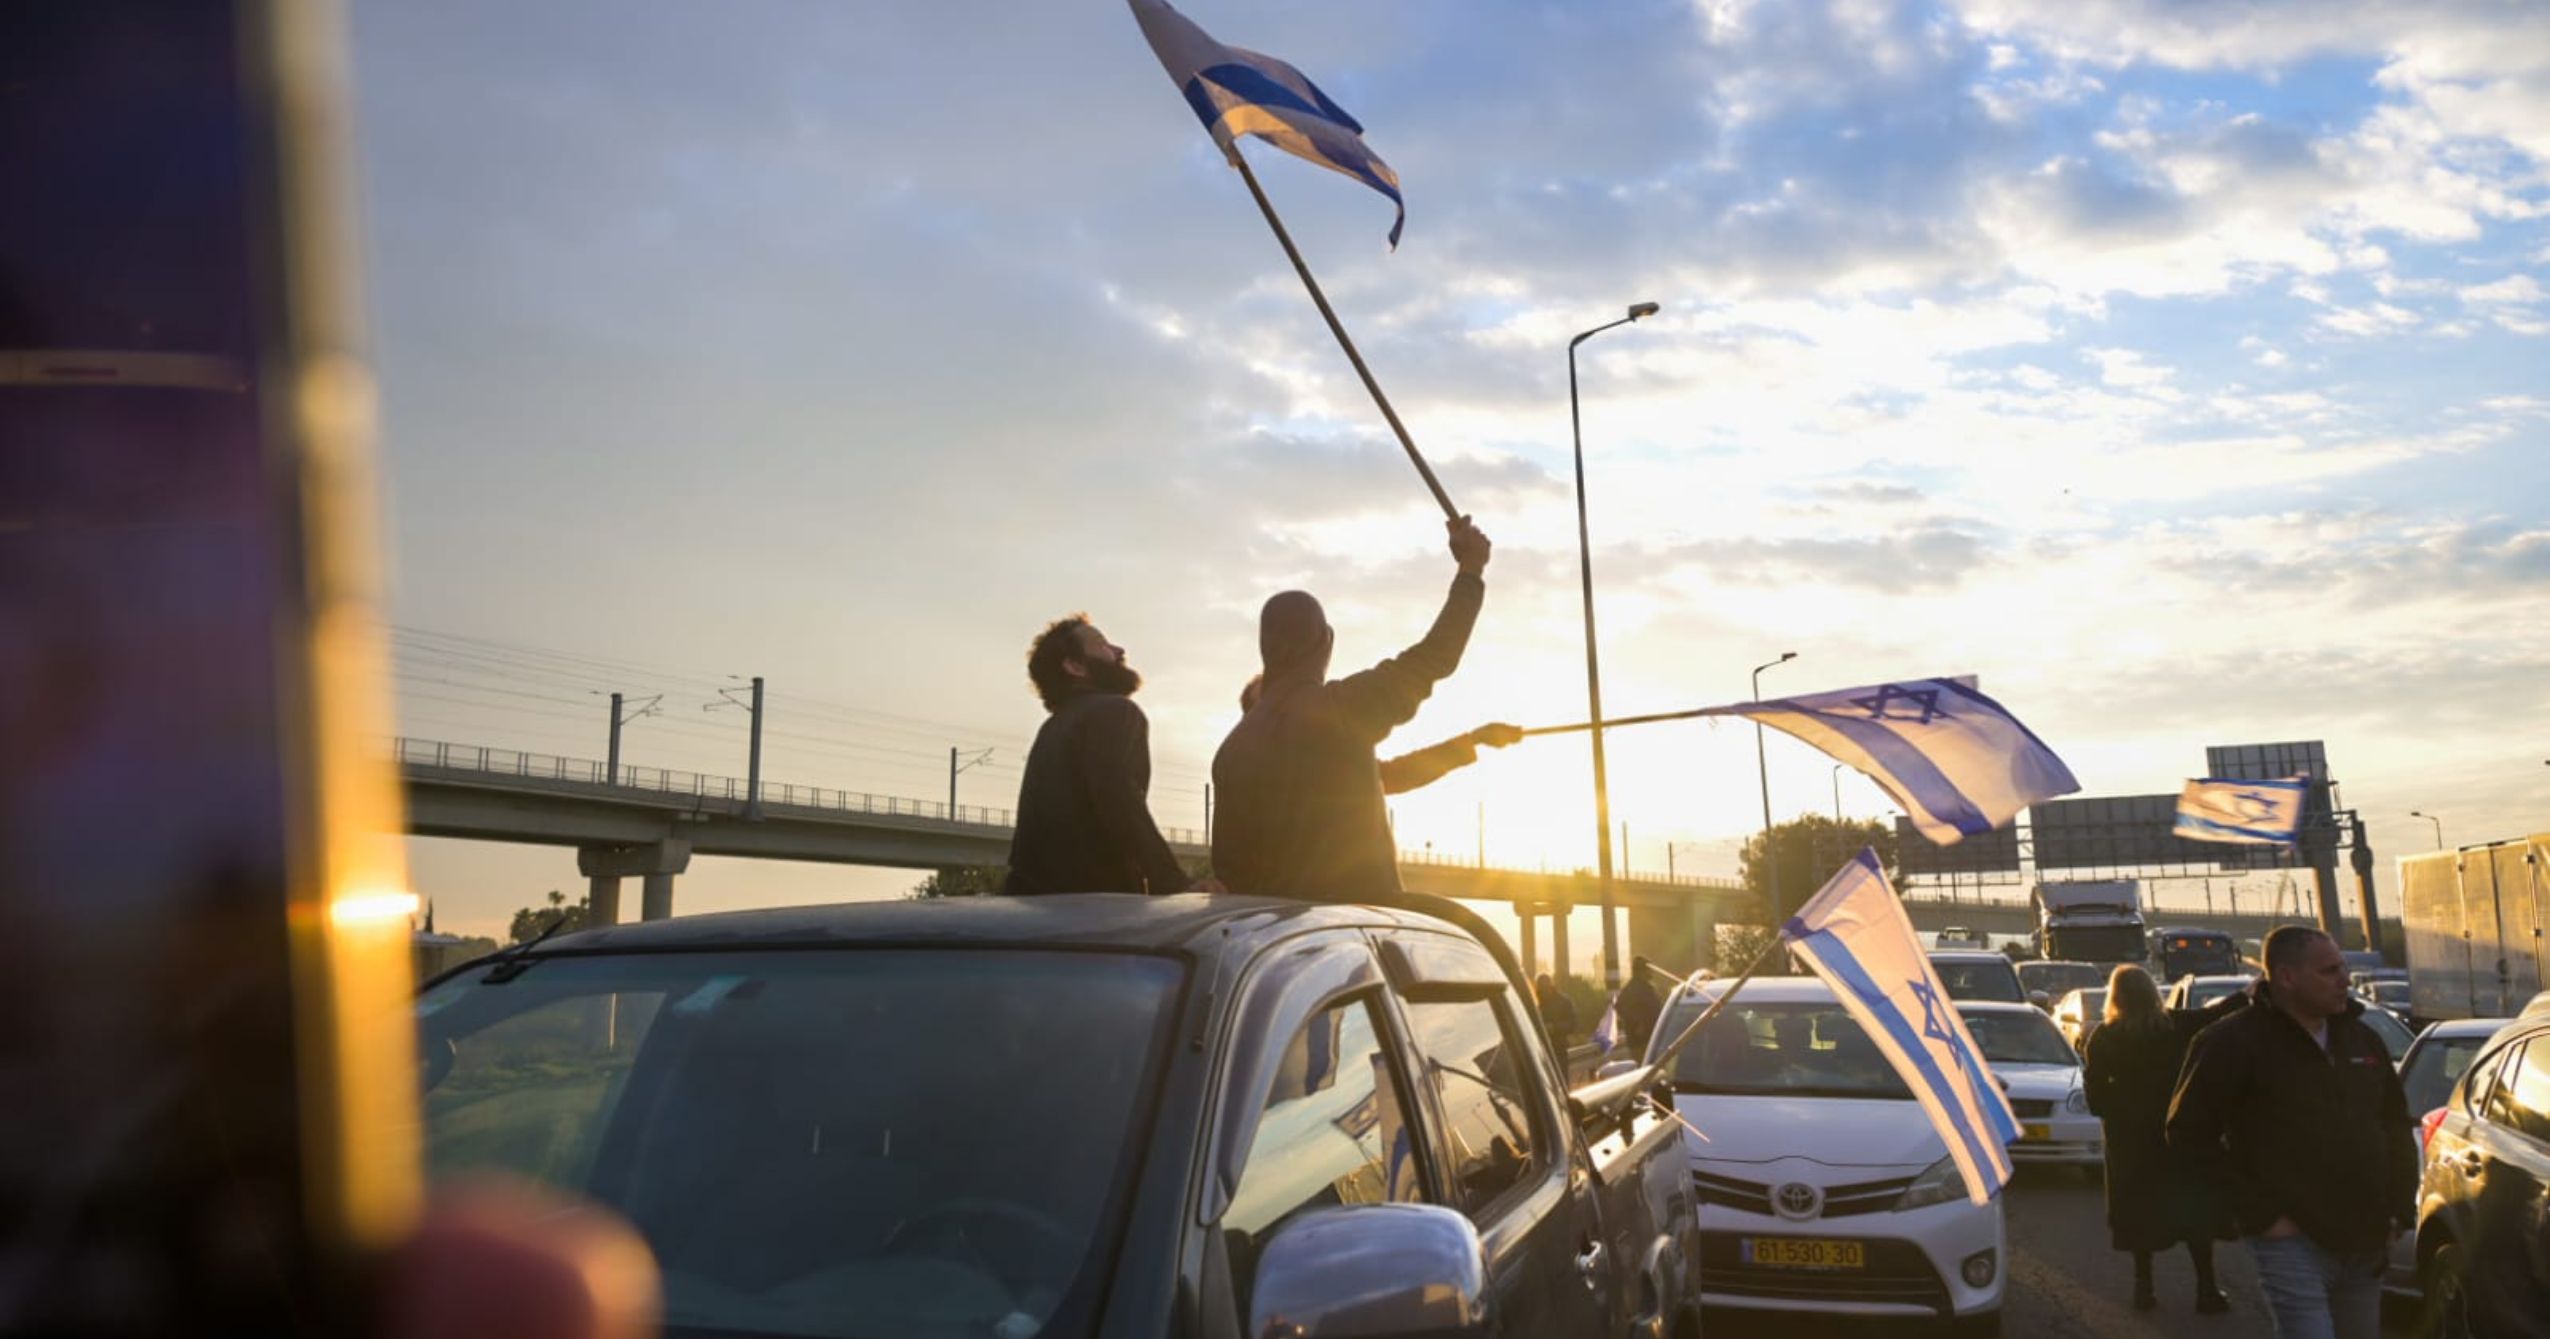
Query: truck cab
{"type": "Point", "coordinates": [2091, 920]}
{"type": "Point", "coordinates": [1201, 1115]}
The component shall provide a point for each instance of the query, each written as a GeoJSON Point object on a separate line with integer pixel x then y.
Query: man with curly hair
{"type": "Point", "coordinates": [1084, 817]}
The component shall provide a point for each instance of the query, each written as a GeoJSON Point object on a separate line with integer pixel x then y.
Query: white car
{"type": "Point", "coordinates": [1822, 1187]}
{"type": "Point", "coordinates": [2042, 1075]}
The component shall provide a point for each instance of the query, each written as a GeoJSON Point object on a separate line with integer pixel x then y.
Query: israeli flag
{"type": "Point", "coordinates": [1607, 1032]}
{"type": "Point", "coordinates": [1236, 92]}
{"type": "Point", "coordinates": [1958, 762]}
{"type": "Point", "coordinates": [1854, 935]}
{"type": "Point", "coordinates": [2263, 813]}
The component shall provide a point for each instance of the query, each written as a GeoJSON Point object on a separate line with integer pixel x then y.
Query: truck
{"type": "Point", "coordinates": [2474, 919]}
{"type": "Point", "coordinates": [1097, 1114]}
{"type": "Point", "coordinates": [2090, 920]}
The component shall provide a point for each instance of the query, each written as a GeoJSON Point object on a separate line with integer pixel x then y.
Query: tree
{"type": "Point", "coordinates": [959, 881]}
{"type": "Point", "coordinates": [531, 922]}
{"type": "Point", "coordinates": [1739, 945]}
{"type": "Point", "coordinates": [1810, 847]}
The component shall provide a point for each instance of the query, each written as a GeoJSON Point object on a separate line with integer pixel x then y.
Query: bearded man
{"type": "Point", "coordinates": [1084, 815]}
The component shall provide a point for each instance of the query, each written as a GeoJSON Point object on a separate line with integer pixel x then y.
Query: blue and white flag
{"type": "Point", "coordinates": [1607, 1032]}
{"type": "Point", "coordinates": [2263, 813]}
{"type": "Point", "coordinates": [1236, 92]}
{"type": "Point", "coordinates": [1957, 761]}
{"type": "Point", "coordinates": [1855, 935]}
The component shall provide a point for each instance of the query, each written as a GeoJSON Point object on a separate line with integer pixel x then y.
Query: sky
{"type": "Point", "coordinates": [2175, 368]}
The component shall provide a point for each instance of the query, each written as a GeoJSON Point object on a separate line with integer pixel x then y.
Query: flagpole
{"type": "Point", "coordinates": [1337, 328]}
{"type": "Point", "coordinates": [1616, 721]}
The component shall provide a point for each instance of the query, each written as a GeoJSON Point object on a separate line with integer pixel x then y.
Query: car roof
{"type": "Point", "coordinates": [1996, 1007]}
{"type": "Point", "coordinates": [2220, 976]}
{"type": "Point", "coordinates": [1771, 989]}
{"type": "Point", "coordinates": [1969, 954]}
{"type": "Point", "coordinates": [2468, 1027]}
{"type": "Point", "coordinates": [1073, 920]}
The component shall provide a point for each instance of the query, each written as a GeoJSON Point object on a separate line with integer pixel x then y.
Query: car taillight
{"type": "Point", "coordinates": [2426, 1126]}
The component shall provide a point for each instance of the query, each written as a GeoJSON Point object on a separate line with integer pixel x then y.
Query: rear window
{"type": "Point", "coordinates": [1980, 979]}
{"type": "Point", "coordinates": [1771, 1049]}
{"type": "Point", "coordinates": [2015, 1038]}
{"type": "Point", "coordinates": [841, 1143]}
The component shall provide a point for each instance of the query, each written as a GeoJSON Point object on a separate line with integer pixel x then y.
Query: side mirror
{"type": "Point", "coordinates": [1376, 1271]}
{"type": "Point", "coordinates": [1612, 1069]}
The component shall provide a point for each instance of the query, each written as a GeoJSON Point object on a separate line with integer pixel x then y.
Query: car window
{"type": "Point", "coordinates": [1492, 1128]}
{"type": "Point", "coordinates": [2396, 1038]}
{"type": "Point", "coordinates": [2439, 1064]}
{"type": "Point", "coordinates": [1980, 981]}
{"type": "Point", "coordinates": [794, 1133]}
{"type": "Point", "coordinates": [2492, 1101]}
{"type": "Point", "coordinates": [1777, 1049]}
{"type": "Point", "coordinates": [1331, 1133]}
{"type": "Point", "coordinates": [2528, 1096]}
{"type": "Point", "coordinates": [2019, 1038]}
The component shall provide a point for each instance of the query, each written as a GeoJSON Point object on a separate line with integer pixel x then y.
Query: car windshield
{"type": "Point", "coordinates": [1765, 1048]}
{"type": "Point", "coordinates": [834, 1143]}
{"type": "Point", "coordinates": [2389, 992]}
{"type": "Point", "coordinates": [2058, 978]}
{"type": "Point", "coordinates": [1979, 979]}
{"type": "Point", "coordinates": [2091, 1003]}
{"type": "Point", "coordinates": [2014, 1038]}
{"type": "Point", "coordinates": [2436, 1067]}
{"type": "Point", "coordinates": [2396, 1038]}
{"type": "Point", "coordinates": [2206, 990]}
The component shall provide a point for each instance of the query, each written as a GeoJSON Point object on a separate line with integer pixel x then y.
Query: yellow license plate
{"type": "Point", "coordinates": [2036, 1132]}
{"type": "Point", "coordinates": [1804, 1253]}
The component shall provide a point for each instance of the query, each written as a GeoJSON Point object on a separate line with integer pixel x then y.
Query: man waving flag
{"type": "Point", "coordinates": [1236, 92]}
{"type": "Point", "coordinates": [1854, 935]}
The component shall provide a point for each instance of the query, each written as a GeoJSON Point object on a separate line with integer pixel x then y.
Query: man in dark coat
{"type": "Point", "coordinates": [1558, 1013]}
{"type": "Point", "coordinates": [1640, 1006]}
{"type": "Point", "coordinates": [1084, 822]}
{"type": "Point", "coordinates": [2293, 1107]}
{"type": "Point", "coordinates": [1298, 808]}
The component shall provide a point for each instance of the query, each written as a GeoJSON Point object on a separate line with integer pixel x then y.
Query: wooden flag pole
{"type": "Point", "coordinates": [1337, 328]}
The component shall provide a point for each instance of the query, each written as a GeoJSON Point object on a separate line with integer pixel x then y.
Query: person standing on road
{"type": "Point", "coordinates": [2292, 1106]}
{"type": "Point", "coordinates": [1084, 818]}
{"type": "Point", "coordinates": [1640, 1006]}
{"type": "Point", "coordinates": [1299, 810]}
{"type": "Point", "coordinates": [1558, 1013]}
{"type": "Point", "coordinates": [2132, 1063]}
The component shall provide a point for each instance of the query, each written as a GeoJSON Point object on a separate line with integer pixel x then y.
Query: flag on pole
{"type": "Point", "coordinates": [1957, 761]}
{"type": "Point", "coordinates": [1855, 936]}
{"type": "Point", "coordinates": [1236, 92]}
{"type": "Point", "coordinates": [2263, 813]}
{"type": "Point", "coordinates": [1607, 1032]}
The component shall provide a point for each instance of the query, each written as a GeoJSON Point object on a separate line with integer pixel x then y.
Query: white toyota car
{"type": "Point", "coordinates": [2041, 1073]}
{"type": "Point", "coordinates": [1822, 1187]}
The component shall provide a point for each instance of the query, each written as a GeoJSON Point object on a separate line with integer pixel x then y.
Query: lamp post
{"type": "Point", "coordinates": [1761, 764]}
{"type": "Point", "coordinates": [2439, 826]}
{"type": "Point", "coordinates": [1837, 794]}
{"type": "Point", "coordinates": [1593, 667]}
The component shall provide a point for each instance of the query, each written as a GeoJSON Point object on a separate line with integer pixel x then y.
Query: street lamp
{"type": "Point", "coordinates": [1837, 793]}
{"type": "Point", "coordinates": [1593, 668]}
{"type": "Point", "coordinates": [2439, 826]}
{"type": "Point", "coordinates": [1770, 852]}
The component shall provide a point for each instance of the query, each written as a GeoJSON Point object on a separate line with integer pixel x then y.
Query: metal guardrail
{"type": "Point", "coordinates": [490, 761]}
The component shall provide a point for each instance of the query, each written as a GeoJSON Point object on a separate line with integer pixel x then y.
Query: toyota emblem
{"type": "Point", "coordinates": [1797, 1200]}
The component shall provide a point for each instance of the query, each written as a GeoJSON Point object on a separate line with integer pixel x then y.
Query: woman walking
{"type": "Point", "coordinates": [2152, 1204]}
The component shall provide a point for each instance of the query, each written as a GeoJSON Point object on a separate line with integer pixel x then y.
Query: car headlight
{"type": "Point", "coordinates": [1938, 1183]}
{"type": "Point", "coordinates": [2078, 1103]}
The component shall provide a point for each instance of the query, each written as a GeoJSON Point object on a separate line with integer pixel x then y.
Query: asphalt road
{"type": "Point", "coordinates": [2066, 1283]}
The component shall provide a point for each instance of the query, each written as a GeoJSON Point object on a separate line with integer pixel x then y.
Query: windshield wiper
{"type": "Point", "coordinates": [508, 963]}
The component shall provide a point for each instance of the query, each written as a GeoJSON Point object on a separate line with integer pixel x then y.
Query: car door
{"type": "Point", "coordinates": [1507, 1158]}
{"type": "Point", "coordinates": [2519, 1182]}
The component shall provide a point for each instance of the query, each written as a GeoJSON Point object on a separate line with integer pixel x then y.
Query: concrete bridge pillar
{"type": "Point", "coordinates": [655, 863]}
{"type": "Point", "coordinates": [1558, 940]}
{"type": "Point", "coordinates": [1528, 949]}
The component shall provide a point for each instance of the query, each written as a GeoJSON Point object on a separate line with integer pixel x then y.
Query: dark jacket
{"type": "Point", "coordinates": [1640, 1006]}
{"type": "Point", "coordinates": [1083, 823]}
{"type": "Point", "coordinates": [1559, 1013]}
{"type": "Point", "coordinates": [1415, 771]}
{"type": "Point", "coordinates": [2321, 1138]}
{"type": "Point", "coordinates": [2153, 1202]}
{"type": "Point", "coordinates": [1297, 793]}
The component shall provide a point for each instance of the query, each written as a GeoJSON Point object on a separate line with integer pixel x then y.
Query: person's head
{"type": "Point", "coordinates": [1293, 636]}
{"type": "Point", "coordinates": [2306, 974]}
{"type": "Point", "coordinates": [1072, 656]}
{"type": "Point", "coordinates": [1638, 968]}
{"type": "Point", "coordinates": [2132, 996]}
{"type": "Point", "coordinates": [1544, 985]}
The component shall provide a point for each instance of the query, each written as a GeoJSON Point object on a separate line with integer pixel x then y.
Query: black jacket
{"type": "Point", "coordinates": [1083, 823]}
{"type": "Point", "coordinates": [1297, 794]}
{"type": "Point", "coordinates": [2291, 1132]}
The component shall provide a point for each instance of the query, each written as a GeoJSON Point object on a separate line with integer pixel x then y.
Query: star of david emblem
{"type": "Point", "coordinates": [1924, 701]}
{"type": "Point", "coordinates": [2254, 805]}
{"type": "Point", "coordinates": [1933, 1024]}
